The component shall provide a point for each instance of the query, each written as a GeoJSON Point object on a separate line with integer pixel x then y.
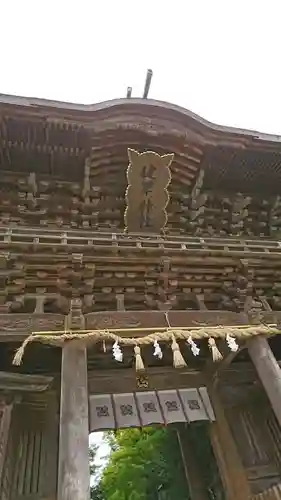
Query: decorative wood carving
{"type": "Point", "coordinates": [275, 218]}
{"type": "Point", "coordinates": [58, 277]}
{"type": "Point", "coordinates": [197, 205]}
{"type": "Point", "coordinates": [75, 320]}
{"type": "Point", "coordinates": [239, 293]}
{"type": "Point", "coordinates": [163, 296]}
{"type": "Point", "coordinates": [157, 319]}
{"type": "Point", "coordinates": [275, 295]}
{"type": "Point", "coordinates": [147, 196]}
{"type": "Point", "coordinates": [19, 326]}
{"type": "Point", "coordinates": [239, 213]}
{"type": "Point", "coordinates": [120, 306]}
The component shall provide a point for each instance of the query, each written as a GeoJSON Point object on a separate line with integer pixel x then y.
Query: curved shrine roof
{"type": "Point", "coordinates": [56, 136]}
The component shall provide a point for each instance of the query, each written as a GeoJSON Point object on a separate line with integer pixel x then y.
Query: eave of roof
{"type": "Point", "coordinates": [134, 104]}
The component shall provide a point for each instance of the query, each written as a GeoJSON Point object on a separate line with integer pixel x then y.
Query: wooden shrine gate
{"type": "Point", "coordinates": [182, 249]}
{"type": "Point", "coordinates": [44, 438]}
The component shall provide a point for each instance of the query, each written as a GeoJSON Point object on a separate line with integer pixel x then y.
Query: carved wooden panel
{"type": "Point", "coordinates": [10, 461]}
{"type": "Point", "coordinates": [147, 196]}
{"type": "Point", "coordinates": [250, 430]}
{"type": "Point", "coordinates": [157, 319]}
{"type": "Point", "coordinates": [31, 465]}
{"type": "Point", "coordinates": [26, 479]}
{"type": "Point", "coordinates": [275, 436]}
{"type": "Point", "coordinates": [24, 324]}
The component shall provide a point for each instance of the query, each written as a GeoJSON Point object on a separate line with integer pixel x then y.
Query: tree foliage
{"type": "Point", "coordinates": [147, 465]}
{"type": "Point", "coordinates": [144, 465]}
{"type": "Point", "coordinates": [96, 492]}
{"type": "Point", "coordinates": [92, 455]}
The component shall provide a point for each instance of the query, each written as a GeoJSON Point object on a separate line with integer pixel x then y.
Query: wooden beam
{"type": "Point", "coordinates": [197, 490]}
{"type": "Point", "coordinates": [232, 472]}
{"type": "Point", "coordinates": [74, 475]}
{"type": "Point", "coordinates": [24, 383]}
{"type": "Point", "coordinates": [120, 381]}
{"type": "Point", "coordinates": [268, 370]}
{"type": "Point", "coordinates": [5, 423]}
{"type": "Point", "coordinates": [239, 375]}
{"type": "Point", "coordinates": [16, 327]}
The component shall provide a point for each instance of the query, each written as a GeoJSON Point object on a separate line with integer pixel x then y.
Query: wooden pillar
{"type": "Point", "coordinates": [197, 490]}
{"type": "Point", "coordinates": [74, 474]}
{"type": "Point", "coordinates": [5, 423]}
{"type": "Point", "coordinates": [268, 370]}
{"type": "Point", "coordinates": [232, 471]}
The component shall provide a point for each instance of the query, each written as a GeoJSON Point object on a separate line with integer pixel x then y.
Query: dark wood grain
{"type": "Point", "coordinates": [74, 475]}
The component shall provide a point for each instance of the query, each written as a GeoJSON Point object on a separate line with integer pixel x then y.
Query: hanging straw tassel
{"type": "Point", "coordinates": [139, 361]}
{"type": "Point", "coordinates": [216, 354]}
{"type": "Point", "coordinates": [178, 358]}
{"type": "Point", "coordinates": [20, 352]}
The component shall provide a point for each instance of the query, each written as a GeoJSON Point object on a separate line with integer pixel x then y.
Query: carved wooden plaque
{"type": "Point", "coordinates": [147, 408]}
{"type": "Point", "coordinates": [147, 197]}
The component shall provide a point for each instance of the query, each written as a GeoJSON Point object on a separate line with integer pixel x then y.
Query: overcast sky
{"type": "Point", "coordinates": [218, 58]}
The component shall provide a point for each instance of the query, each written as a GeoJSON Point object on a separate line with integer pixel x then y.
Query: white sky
{"type": "Point", "coordinates": [218, 58]}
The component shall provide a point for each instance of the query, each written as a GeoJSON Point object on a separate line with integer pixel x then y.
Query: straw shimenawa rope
{"type": "Point", "coordinates": [168, 335]}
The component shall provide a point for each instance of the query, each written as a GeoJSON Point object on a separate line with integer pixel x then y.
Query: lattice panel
{"type": "Point", "coordinates": [242, 171]}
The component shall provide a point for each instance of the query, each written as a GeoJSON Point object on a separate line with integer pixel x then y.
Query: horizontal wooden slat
{"type": "Point", "coordinates": [273, 493]}
{"type": "Point", "coordinates": [18, 326]}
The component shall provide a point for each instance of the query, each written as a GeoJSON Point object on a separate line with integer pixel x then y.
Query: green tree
{"type": "Point", "coordinates": [92, 455]}
{"type": "Point", "coordinates": [96, 492]}
{"type": "Point", "coordinates": [144, 465]}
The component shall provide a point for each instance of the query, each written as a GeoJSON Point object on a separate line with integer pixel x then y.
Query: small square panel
{"type": "Point", "coordinates": [193, 405]}
{"type": "Point", "coordinates": [101, 413]}
{"type": "Point", "coordinates": [207, 403]}
{"type": "Point", "coordinates": [171, 406]}
{"type": "Point", "coordinates": [126, 410]}
{"type": "Point", "coordinates": [149, 408]}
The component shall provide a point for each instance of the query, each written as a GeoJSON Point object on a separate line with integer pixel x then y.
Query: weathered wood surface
{"type": "Point", "coordinates": [71, 239]}
{"type": "Point", "coordinates": [31, 465]}
{"type": "Point", "coordinates": [147, 197]}
{"type": "Point", "coordinates": [118, 381]}
{"type": "Point", "coordinates": [273, 493]}
{"type": "Point", "coordinates": [16, 327]}
{"type": "Point", "coordinates": [49, 450]}
{"type": "Point", "coordinates": [5, 422]}
{"type": "Point", "coordinates": [74, 474]}
{"type": "Point", "coordinates": [232, 472]}
{"type": "Point", "coordinates": [40, 270]}
{"type": "Point", "coordinates": [24, 383]}
{"type": "Point", "coordinates": [34, 497]}
{"type": "Point", "coordinates": [268, 370]}
{"type": "Point", "coordinates": [257, 436]}
{"type": "Point", "coordinates": [193, 144]}
{"type": "Point", "coordinates": [193, 475]}
{"type": "Point", "coordinates": [235, 381]}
